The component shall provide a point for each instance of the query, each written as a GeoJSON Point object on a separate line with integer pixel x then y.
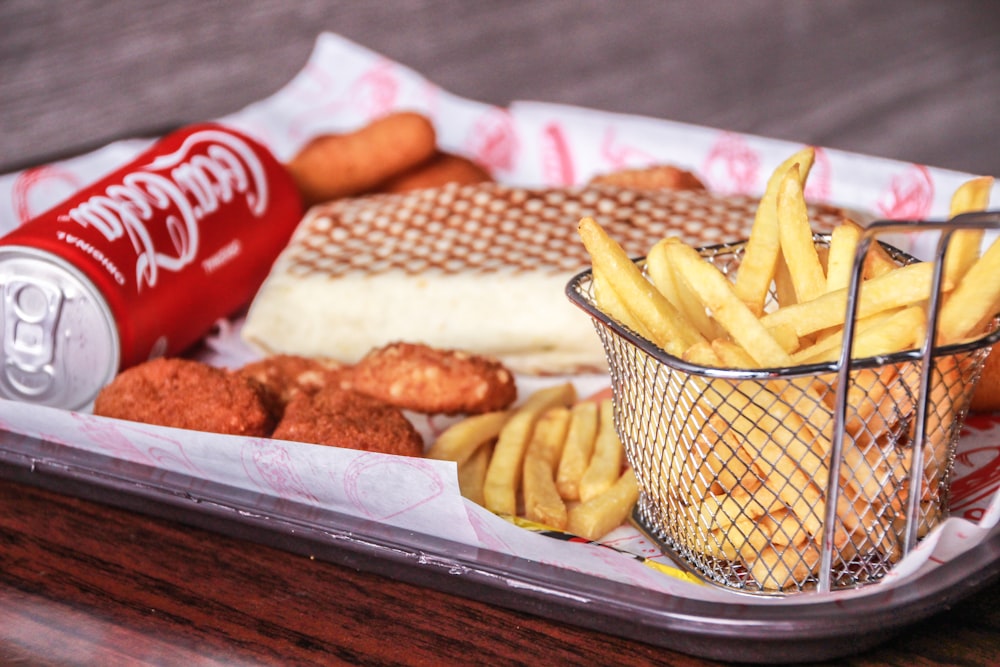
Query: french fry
{"type": "Point", "coordinates": [606, 461]}
{"type": "Point", "coordinates": [762, 420]}
{"type": "Point", "coordinates": [744, 537]}
{"type": "Point", "coordinates": [878, 261]}
{"type": "Point", "coordinates": [611, 303]}
{"type": "Point", "coordinates": [472, 473]}
{"type": "Point", "coordinates": [749, 537]}
{"type": "Point", "coordinates": [579, 447]}
{"type": "Point", "coordinates": [827, 347]}
{"type": "Point", "coordinates": [606, 511]}
{"type": "Point", "coordinates": [462, 439]}
{"type": "Point", "coordinates": [542, 502]}
{"type": "Point", "coordinates": [713, 464]}
{"type": "Point", "coordinates": [974, 301]}
{"type": "Point", "coordinates": [786, 337]}
{"type": "Point", "coordinates": [795, 234]}
{"type": "Point", "coordinates": [668, 328]}
{"type": "Point", "coordinates": [963, 249]}
{"type": "Point", "coordinates": [904, 286]}
{"type": "Point", "coordinates": [732, 355]}
{"type": "Point", "coordinates": [757, 269]}
{"type": "Point", "coordinates": [840, 260]}
{"type": "Point", "coordinates": [784, 286]}
{"type": "Point", "coordinates": [886, 335]}
{"type": "Point", "coordinates": [871, 410]}
{"type": "Point", "coordinates": [783, 528]}
{"type": "Point", "coordinates": [717, 294]}
{"type": "Point", "coordinates": [874, 534]}
{"type": "Point", "coordinates": [702, 354]}
{"type": "Point", "coordinates": [662, 274]}
{"type": "Point", "coordinates": [725, 509]}
{"type": "Point", "coordinates": [776, 568]}
{"type": "Point", "coordinates": [730, 465]}
{"type": "Point", "coordinates": [503, 476]}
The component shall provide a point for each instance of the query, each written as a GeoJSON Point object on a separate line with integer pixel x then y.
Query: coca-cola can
{"type": "Point", "coordinates": [141, 264]}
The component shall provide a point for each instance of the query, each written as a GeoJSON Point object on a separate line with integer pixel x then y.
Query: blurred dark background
{"type": "Point", "coordinates": [916, 80]}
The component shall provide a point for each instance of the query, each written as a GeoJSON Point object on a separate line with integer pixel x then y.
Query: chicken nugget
{"type": "Point", "coordinates": [433, 381]}
{"type": "Point", "coordinates": [656, 177]}
{"type": "Point", "coordinates": [288, 375]}
{"type": "Point", "coordinates": [344, 418]}
{"type": "Point", "coordinates": [440, 170]}
{"type": "Point", "coordinates": [349, 164]}
{"type": "Point", "coordinates": [187, 394]}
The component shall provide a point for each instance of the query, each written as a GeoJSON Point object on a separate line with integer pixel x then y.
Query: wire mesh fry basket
{"type": "Point", "coordinates": [736, 467]}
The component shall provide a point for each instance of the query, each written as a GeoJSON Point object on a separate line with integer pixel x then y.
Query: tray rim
{"type": "Point", "coordinates": [786, 632]}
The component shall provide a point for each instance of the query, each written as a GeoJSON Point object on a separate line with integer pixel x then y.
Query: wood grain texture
{"type": "Point", "coordinates": [916, 80]}
{"type": "Point", "coordinates": [83, 583]}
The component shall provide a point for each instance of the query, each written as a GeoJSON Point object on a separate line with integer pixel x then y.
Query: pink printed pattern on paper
{"type": "Point", "coordinates": [983, 461]}
{"type": "Point", "coordinates": [731, 166]}
{"type": "Point", "coordinates": [820, 177]}
{"type": "Point", "coordinates": [269, 465]}
{"type": "Point", "coordinates": [375, 92]}
{"type": "Point", "coordinates": [486, 534]}
{"type": "Point", "coordinates": [619, 155]}
{"type": "Point", "coordinates": [365, 482]}
{"type": "Point", "coordinates": [35, 190]}
{"type": "Point", "coordinates": [909, 196]}
{"type": "Point", "coordinates": [122, 440]}
{"type": "Point", "coordinates": [557, 162]}
{"type": "Point", "coordinates": [372, 94]}
{"type": "Point", "coordinates": [493, 141]}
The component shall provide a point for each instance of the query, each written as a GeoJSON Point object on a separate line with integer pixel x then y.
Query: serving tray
{"type": "Point", "coordinates": [734, 631]}
{"type": "Point", "coordinates": [539, 144]}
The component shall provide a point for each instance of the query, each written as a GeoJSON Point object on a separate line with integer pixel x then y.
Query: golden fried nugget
{"type": "Point", "coordinates": [656, 177]}
{"type": "Point", "coordinates": [344, 418]}
{"type": "Point", "coordinates": [440, 170]}
{"type": "Point", "coordinates": [434, 381]}
{"type": "Point", "coordinates": [188, 394]}
{"type": "Point", "coordinates": [288, 375]}
{"type": "Point", "coordinates": [343, 165]}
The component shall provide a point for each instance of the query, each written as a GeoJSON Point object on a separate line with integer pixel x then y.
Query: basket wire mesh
{"type": "Point", "coordinates": [734, 466]}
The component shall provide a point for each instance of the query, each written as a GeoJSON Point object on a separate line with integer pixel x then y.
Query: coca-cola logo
{"type": "Point", "coordinates": [159, 206]}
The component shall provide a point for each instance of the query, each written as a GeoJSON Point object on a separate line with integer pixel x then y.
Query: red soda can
{"type": "Point", "coordinates": [141, 264]}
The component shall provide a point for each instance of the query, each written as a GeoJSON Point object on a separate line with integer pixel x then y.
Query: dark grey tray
{"type": "Point", "coordinates": [733, 631]}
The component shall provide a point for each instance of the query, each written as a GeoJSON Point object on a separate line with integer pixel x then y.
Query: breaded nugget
{"type": "Point", "coordinates": [656, 177]}
{"type": "Point", "coordinates": [349, 164]}
{"type": "Point", "coordinates": [345, 418]}
{"type": "Point", "coordinates": [440, 170]}
{"type": "Point", "coordinates": [187, 394]}
{"type": "Point", "coordinates": [288, 375]}
{"type": "Point", "coordinates": [434, 381]}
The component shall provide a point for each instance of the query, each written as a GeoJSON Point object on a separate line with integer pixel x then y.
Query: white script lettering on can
{"type": "Point", "coordinates": [177, 190]}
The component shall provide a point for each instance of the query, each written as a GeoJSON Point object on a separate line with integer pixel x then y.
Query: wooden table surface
{"type": "Point", "coordinates": [83, 583]}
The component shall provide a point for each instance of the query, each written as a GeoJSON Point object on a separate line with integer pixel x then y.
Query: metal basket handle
{"type": "Point", "coordinates": [988, 220]}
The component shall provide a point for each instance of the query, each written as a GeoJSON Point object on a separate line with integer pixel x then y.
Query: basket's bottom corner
{"type": "Point", "coordinates": [736, 575]}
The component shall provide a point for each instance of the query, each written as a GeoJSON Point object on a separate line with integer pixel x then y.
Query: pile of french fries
{"type": "Point", "coordinates": [737, 470]}
{"type": "Point", "coordinates": [554, 460]}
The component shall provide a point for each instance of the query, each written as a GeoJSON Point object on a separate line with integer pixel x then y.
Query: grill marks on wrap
{"type": "Point", "coordinates": [492, 228]}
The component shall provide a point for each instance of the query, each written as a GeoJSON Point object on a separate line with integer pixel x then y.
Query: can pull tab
{"type": "Point", "coordinates": [30, 313]}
